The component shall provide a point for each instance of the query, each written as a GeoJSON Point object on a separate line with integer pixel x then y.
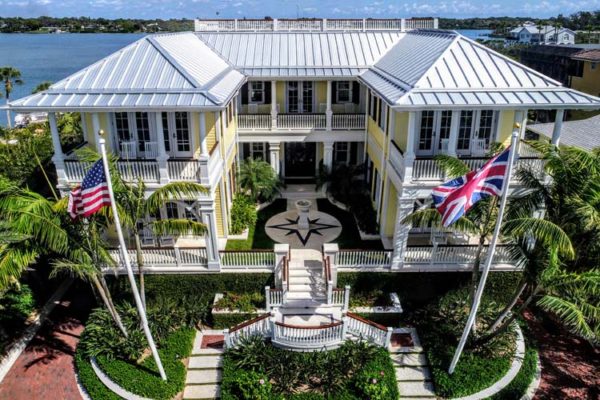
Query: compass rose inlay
{"type": "Point", "coordinates": [315, 227]}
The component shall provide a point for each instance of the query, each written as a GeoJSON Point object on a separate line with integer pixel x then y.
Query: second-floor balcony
{"type": "Point", "coordinates": [302, 121]}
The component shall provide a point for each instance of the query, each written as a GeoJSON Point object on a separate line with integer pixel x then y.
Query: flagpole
{"type": "Point", "coordinates": [124, 256]}
{"type": "Point", "coordinates": [491, 250]}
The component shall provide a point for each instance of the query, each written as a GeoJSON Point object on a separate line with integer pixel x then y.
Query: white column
{"type": "Point", "coordinates": [224, 208]}
{"type": "Point", "coordinates": [58, 158]}
{"type": "Point", "coordinates": [273, 104]}
{"type": "Point", "coordinates": [207, 212]}
{"type": "Point", "coordinates": [409, 157]}
{"type": "Point", "coordinates": [163, 169]}
{"type": "Point", "coordinates": [203, 134]}
{"type": "Point", "coordinates": [560, 115]}
{"type": "Point", "coordinates": [328, 111]}
{"type": "Point", "coordinates": [328, 155]}
{"type": "Point", "coordinates": [453, 139]}
{"type": "Point", "coordinates": [274, 155]}
{"type": "Point", "coordinates": [96, 128]}
{"type": "Point", "coordinates": [401, 231]}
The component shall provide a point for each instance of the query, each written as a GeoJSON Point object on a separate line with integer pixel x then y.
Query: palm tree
{"type": "Point", "coordinates": [34, 226]}
{"type": "Point", "coordinates": [259, 180]}
{"type": "Point", "coordinates": [41, 87]}
{"type": "Point", "coordinates": [10, 76]}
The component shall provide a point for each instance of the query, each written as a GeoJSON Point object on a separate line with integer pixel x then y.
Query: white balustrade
{"type": "Point", "coordinates": [274, 297]}
{"type": "Point", "coordinates": [150, 149]}
{"type": "Point", "coordinates": [301, 121]}
{"type": "Point", "coordinates": [247, 259]}
{"type": "Point", "coordinates": [129, 149]}
{"type": "Point", "coordinates": [259, 326]}
{"type": "Point", "coordinates": [308, 337]}
{"type": "Point", "coordinates": [455, 254]}
{"type": "Point", "coordinates": [397, 160]}
{"type": "Point", "coordinates": [427, 170]}
{"type": "Point", "coordinates": [254, 121]}
{"type": "Point", "coordinates": [367, 330]}
{"type": "Point", "coordinates": [165, 258]}
{"type": "Point", "coordinates": [348, 121]}
{"type": "Point", "coordinates": [76, 170]}
{"type": "Point", "coordinates": [183, 170]}
{"type": "Point", "coordinates": [337, 298]}
{"type": "Point", "coordinates": [363, 258]}
{"type": "Point", "coordinates": [139, 169]}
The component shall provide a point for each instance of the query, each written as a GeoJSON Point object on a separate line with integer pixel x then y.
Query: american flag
{"type": "Point", "coordinates": [454, 198]}
{"type": "Point", "coordinates": [92, 195]}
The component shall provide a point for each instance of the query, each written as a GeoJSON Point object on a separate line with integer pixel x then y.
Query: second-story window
{"type": "Point", "coordinates": [143, 130]}
{"type": "Point", "coordinates": [256, 92]}
{"type": "Point", "coordinates": [344, 92]}
{"type": "Point", "coordinates": [122, 126]}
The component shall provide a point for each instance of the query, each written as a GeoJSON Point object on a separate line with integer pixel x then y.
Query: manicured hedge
{"type": "Point", "coordinates": [144, 380]}
{"type": "Point", "coordinates": [222, 321]}
{"type": "Point", "coordinates": [257, 237]}
{"type": "Point", "coordinates": [93, 386]}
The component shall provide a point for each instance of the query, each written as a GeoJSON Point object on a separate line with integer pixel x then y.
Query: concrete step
{"type": "Point", "coordinates": [416, 389]}
{"type": "Point", "coordinates": [202, 377]}
{"type": "Point", "coordinates": [406, 374]}
{"type": "Point", "coordinates": [303, 303]}
{"type": "Point", "coordinates": [298, 287]}
{"type": "Point", "coordinates": [300, 273]}
{"type": "Point", "coordinates": [197, 392]}
{"type": "Point", "coordinates": [409, 359]}
{"type": "Point", "coordinates": [207, 352]}
{"type": "Point", "coordinates": [205, 362]}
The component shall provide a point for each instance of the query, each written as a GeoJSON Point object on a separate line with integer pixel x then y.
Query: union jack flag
{"type": "Point", "coordinates": [454, 198]}
{"type": "Point", "coordinates": [92, 195]}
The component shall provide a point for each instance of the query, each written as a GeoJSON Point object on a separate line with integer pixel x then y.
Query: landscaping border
{"type": "Point", "coordinates": [537, 379]}
{"type": "Point", "coordinates": [112, 386]}
{"type": "Point", "coordinates": [509, 376]}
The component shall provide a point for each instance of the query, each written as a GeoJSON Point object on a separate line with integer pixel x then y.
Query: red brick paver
{"type": "Point", "coordinates": [45, 370]}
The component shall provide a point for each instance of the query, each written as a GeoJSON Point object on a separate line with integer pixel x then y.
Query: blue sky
{"type": "Point", "coordinates": [291, 8]}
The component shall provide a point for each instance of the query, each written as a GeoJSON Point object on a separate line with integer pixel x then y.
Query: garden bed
{"type": "Point", "coordinates": [230, 309]}
{"type": "Point", "coordinates": [257, 237]}
{"type": "Point", "coordinates": [257, 370]}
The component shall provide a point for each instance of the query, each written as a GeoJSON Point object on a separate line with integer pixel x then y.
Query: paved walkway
{"type": "Point", "coordinates": [205, 366]}
{"type": "Point", "coordinates": [45, 369]}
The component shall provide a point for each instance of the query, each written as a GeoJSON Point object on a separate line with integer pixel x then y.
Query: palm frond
{"type": "Point", "coordinates": [572, 315]}
{"type": "Point", "coordinates": [452, 166]}
{"type": "Point", "coordinates": [83, 271]}
{"type": "Point", "coordinates": [546, 232]}
{"type": "Point", "coordinates": [174, 191]}
{"type": "Point", "coordinates": [13, 261]}
{"type": "Point", "coordinates": [178, 227]}
{"type": "Point", "coordinates": [430, 217]}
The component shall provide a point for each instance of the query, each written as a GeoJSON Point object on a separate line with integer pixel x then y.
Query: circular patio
{"type": "Point", "coordinates": [322, 228]}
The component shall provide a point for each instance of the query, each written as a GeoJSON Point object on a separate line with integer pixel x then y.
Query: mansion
{"type": "Point", "coordinates": [391, 94]}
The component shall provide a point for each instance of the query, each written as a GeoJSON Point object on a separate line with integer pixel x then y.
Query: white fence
{"type": "Point", "coordinates": [247, 259]}
{"type": "Point", "coordinates": [457, 254]}
{"type": "Point", "coordinates": [311, 25]}
{"type": "Point", "coordinates": [165, 257]}
{"type": "Point", "coordinates": [274, 297]}
{"type": "Point", "coordinates": [308, 337]}
{"type": "Point", "coordinates": [301, 121]}
{"type": "Point", "coordinates": [363, 258]}
{"type": "Point", "coordinates": [427, 169]}
{"type": "Point", "coordinates": [258, 326]}
{"type": "Point", "coordinates": [348, 121]}
{"type": "Point", "coordinates": [368, 330]}
{"type": "Point", "coordinates": [184, 170]}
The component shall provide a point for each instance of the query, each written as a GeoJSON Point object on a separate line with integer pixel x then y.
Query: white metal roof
{"type": "Point", "coordinates": [321, 54]}
{"type": "Point", "coordinates": [583, 133]}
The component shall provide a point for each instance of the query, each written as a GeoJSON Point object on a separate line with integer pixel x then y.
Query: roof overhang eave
{"type": "Point", "coordinates": [92, 109]}
{"type": "Point", "coordinates": [417, 107]}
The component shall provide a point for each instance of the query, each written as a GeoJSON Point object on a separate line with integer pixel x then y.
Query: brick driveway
{"type": "Point", "coordinates": [45, 369]}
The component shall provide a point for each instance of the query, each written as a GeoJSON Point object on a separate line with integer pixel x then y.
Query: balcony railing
{"type": "Point", "coordinates": [254, 121]}
{"type": "Point", "coordinates": [262, 122]}
{"type": "Point", "coordinates": [397, 159]}
{"type": "Point", "coordinates": [348, 121]}
{"type": "Point", "coordinates": [311, 25]}
{"type": "Point", "coordinates": [165, 257]}
{"type": "Point", "coordinates": [457, 254]}
{"type": "Point", "coordinates": [363, 258]}
{"type": "Point", "coordinates": [301, 121]}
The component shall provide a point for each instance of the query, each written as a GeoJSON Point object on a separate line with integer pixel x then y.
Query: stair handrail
{"type": "Point", "coordinates": [366, 321]}
{"type": "Point", "coordinates": [249, 322]}
{"type": "Point", "coordinates": [328, 280]}
{"type": "Point", "coordinates": [232, 335]}
{"type": "Point", "coordinates": [286, 275]}
{"type": "Point", "coordinates": [382, 336]}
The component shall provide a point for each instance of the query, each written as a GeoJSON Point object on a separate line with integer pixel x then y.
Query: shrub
{"type": "Point", "coordinates": [249, 385]}
{"type": "Point", "coordinates": [243, 214]}
{"type": "Point", "coordinates": [362, 208]}
{"type": "Point", "coordinates": [93, 386]}
{"type": "Point", "coordinates": [245, 302]}
{"type": "Point", "coordinates": [222, 321]}
{"type": "Point", "coordinates": [16, 304]}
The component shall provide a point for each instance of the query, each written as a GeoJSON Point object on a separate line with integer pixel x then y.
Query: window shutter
{"type": "Point", "coordinates": [267, 86]}
{"type": "Point", "coordinates": [333, 92]}
{"type": "Point", "coordinates": [355, 92]}
{"type": "Point", "coordinates": [244, 90]}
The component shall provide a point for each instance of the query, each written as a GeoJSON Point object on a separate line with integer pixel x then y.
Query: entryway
{"type": "Point", "coordinates": [300, 160]}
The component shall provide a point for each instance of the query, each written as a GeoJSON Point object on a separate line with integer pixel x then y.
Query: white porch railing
{"type": "Point", "coordinates": [254, 121]}
{"type": "Point", "coordinates": [369, 330]}
{"type": "Point", "coordinates": [301, 121]}
{"type": "Point", "coordinates": [308, 337]}
{"type": "Point", "coordinates": [311, 25]}
{"type": "Point", "coordinates": [363, 258]}
{"type": "Point", "coordinates": [184, 170]}
{"type": "Point", "coordinates": [165, 257]}
{"type": "Point", "coordinates": [274, 297]}
{"type": "Point", "coordinates": [247, 259]}
{"type": "Point", "coordinates": [456, 254]}
{"type": "Point", "coordinates": [258, 326]}
{"type": "Point", "coordinates": [348, 121]}
{"type": "Point", "coordinates": [397, 159]}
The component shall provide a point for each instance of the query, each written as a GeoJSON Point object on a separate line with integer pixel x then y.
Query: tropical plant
{"type": "Point", "coordinates": [70, 128]}
{"type": "Point", "coordinates": [258, 179]}
{"type": "Point", "coordinates": [243, 214]}
{"type": "Point", "coordinates": [10, 76]}
{"type": "Point", "coordinates": [41, 87]}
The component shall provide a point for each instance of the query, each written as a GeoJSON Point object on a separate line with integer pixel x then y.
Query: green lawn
{"type": "Point", "coordinates": [257, 237]}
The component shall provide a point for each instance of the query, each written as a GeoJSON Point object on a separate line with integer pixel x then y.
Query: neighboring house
{"type": "Point", "coordinates": [583, 133]}
{"type": "Point", "coordinates": [546, 34]}
{"type": "Point", "coordinates": [589, 78]}
{"type": "Point", "coordinates": [191, 106]}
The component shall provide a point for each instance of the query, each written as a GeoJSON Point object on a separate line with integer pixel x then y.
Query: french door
{"type": "Point", "coordinates": [300, 97]}
{"type": "Point", "coordinates": [434, 132]}
{"type": "Point", "coordinates": [176, 130]}
{"type": "Point", "coordinates": [476, 131]}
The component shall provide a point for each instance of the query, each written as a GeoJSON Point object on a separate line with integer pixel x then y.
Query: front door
{"type": "Point", "coordinates": [300, 158]}
{"type": "Point", "coordinates": [300, 97]}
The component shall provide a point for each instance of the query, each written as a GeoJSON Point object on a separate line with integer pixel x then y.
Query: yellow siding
{"type": "Point", "coordinates": [376, 133]}
{"type": "Point", "coordinates": [211, 130]}
{"type": "Point", "coordinates": [506, 121]}
{"type": "Point", "coordinates": [320, 94]}
{"type": "Point", "coordinates": [229, 136]}
{"type": "Point", "coordinates": [281, 96]}
{"type": "Point", "coordinates": [91, 138]}
{"type": "Point", "coordinates": [590, 81]}
{"type": "Point", "coordinates": [392, 206]}
{"type": "Point", "coordinates": [218, 212]}
{"type": "Point", "coordinates": [401, 130]}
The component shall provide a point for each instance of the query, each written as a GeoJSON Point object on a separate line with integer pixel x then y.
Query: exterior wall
{"type": "Point", "coordinates": [229, 137]}
{"type": "Point", "coordinates": [392, 205]}
{"type": "Point", "coordinates": [400, 134]}
{"type": "Point", "coordinates": [320, 94]}
{"type": "Point", "coordinates": [281, 96]}
{"type": "Point", "coordinates": [377, 134]}
{"type": "Point", "coordinates": [218, 211]}
{"type": "Point", "coordinates": [506, 120]}
{"type": "Point", "coordinates": [590, 81]}
{"type": "Point", "coordinates": [211, 130]}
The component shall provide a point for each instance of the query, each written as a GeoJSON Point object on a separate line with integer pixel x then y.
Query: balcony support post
{"type": "Point", "coordinates": [202, 124]}
{"type": "Point", "coordinates": [328, 155]}
{"type": "Point", "coordinates": [163, 169]}
{"type": "Point", "coordinates": [409, 159]}
{"type": "Point", "coordinates": [58, 158]}
{"type": "Point", "coordinates": [96, 128]}
{"type": "Point", "coordinates": [558, 121]}
{"type": "Point", "coordinates": [207, 213]}
{"type": "Point", "coordinates": [328, 110]}
{"type": "Point", "coordinates": [401, 231]}
{"type": "Point", "coordinates": [274, 155]}
{"type": "Point", "coordinates": [273, 105]}
{"type": "Point", "coordinates": [453, 139]}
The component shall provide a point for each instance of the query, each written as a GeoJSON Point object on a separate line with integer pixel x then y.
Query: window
{"type": "Point", "coordinates": [172, 210]}
{"type": "Point", "coordinates": [122, 126]}
{"type": "Point", "coordinates": [165, 126]}
{"type": "Point", "coordinates": [486, 126]}
{"type": "Point", "coordinates": [182, 132]}
{"type": "Point", "coordinates": [464, 130]}
{"type": "Point", "coordinates": [256, 92]}
{"type": "Point", "coordinates": [382, 119]}
{"type": "Point", "coordinates": [426, 130]}
{"type": "Point", "coordinates": [257, 151]}
{"type": "Point", "coordinates": [341, 152]}
{"type": "Point", "coordinates": [344, 92]}
{"type": "Point", "coordinates": [143, 130]}
{"type": "Point", "coordinates": [445, 123]}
